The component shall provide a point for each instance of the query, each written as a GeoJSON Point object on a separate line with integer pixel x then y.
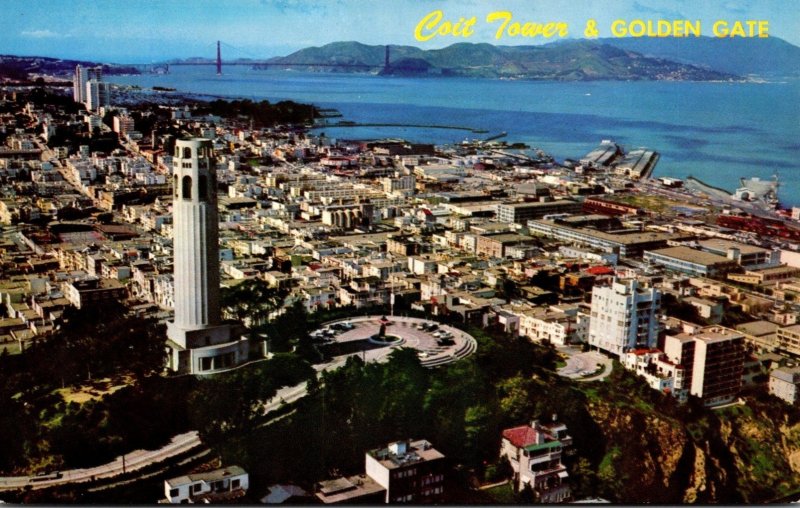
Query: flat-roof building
{"type": "Point", "coordinates": [789, 339]}
{"type": "Point", "coordinates": [748, 256]}
{"type": "Point", "coordinates": [410, 471]}
{"type": "Point", "coordinates": [521, 212]}
{"type": "Point", "coordinates": [627, 243]}
{"type": "Point", "coordinates": [212, 486]}
{"type": "Point", "coordinates": [690, 261]}
{"type": "Point", "coordinates": [623, 317]}
{"type": "Point", "coordinates": [784, 383]}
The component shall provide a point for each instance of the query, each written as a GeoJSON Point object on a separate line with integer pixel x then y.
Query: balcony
{"type": "Point", "coordinates": [547, 457]}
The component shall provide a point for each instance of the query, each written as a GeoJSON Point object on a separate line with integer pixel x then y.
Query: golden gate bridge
{"type": "Point", "coordinates": [163, 68]}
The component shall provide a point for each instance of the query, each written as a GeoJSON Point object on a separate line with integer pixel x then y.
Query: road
{"type": "Point", "coordinates": [129, 462]}
{"type": "Point", "coordinates": [183, 443]}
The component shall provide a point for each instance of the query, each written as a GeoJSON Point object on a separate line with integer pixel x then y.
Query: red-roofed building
{"type": "Point", "coordinates": [600, 270]}
{"type": "Point", "coordinates": [534, 452]}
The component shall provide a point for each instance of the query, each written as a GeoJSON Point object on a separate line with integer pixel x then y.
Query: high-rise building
{"type": "Point", "coordinates": [624, 317]}
{"type": "Point", "coordinates": [198, 340]}
{"type": "Point", "coordinates": [82, 76]}
{"type": "Point", "coordinates": [98, 94]}
{"type": "Point", "coordinates": [714, 361]}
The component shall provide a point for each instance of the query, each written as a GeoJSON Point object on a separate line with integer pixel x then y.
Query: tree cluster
{"type": "Point", "coordinates": [263, 113]}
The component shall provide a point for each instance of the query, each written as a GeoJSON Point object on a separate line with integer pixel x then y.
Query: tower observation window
{"type": "Point", "coordinates": [202, 191]}
{"type": "Point", "coordinates": [187, 187]}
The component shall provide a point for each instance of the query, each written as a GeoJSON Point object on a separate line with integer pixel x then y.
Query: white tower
{"type": "Point", "coordinates": [203, 344]}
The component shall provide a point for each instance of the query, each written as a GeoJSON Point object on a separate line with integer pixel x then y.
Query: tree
{"type": "Point", "coordinates": [101, 340]}
{"type": "Point", "coordinates": [290, 328]}
{"type": "Point", "coordinates": [233, 403]}
{"type": "Point", "coordinates": [583, 478]}
{"type": "Point", "coordinates": [516, 399]}
{"type": "Point", "coordinates": [251, 302]}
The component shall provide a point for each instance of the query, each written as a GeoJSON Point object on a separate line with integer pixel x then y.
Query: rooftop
{"type": "Point", "coordinates": [343, 490]}
{"type": "Point", "coordinates": [757, 328]}
{"type": "Point", "coordinates": [690, 255]}
{"type": "Point", "coordinates": [209, 476]}
{"type": "Point", "coordinates": [723, 245]}
{"type": "Point", "coordinates": [401, 453]}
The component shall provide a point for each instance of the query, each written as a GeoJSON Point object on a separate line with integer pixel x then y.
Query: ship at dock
{"type": "Point", "coordinates": [755, 195]}
{"type": "Point", "coordinates": [760, 191]}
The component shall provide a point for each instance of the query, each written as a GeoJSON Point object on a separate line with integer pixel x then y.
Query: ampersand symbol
{"type": "Point", "coordinates": [591, 28]}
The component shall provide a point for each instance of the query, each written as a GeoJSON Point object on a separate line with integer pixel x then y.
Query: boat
{"type": "Point", "coordinates": [756, 189]}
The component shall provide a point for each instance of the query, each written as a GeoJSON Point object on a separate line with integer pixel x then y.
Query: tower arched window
{"type": "Point", "coordinates": [187, 153]}
{"type": "Point", "coordinates": [177, 151]}
{"type": "Point", "coordinates": [187, 187]}
{"type": "Point", "coordinates": [175, 185]}
{"type": "Point", "coordinates": [202, 191]}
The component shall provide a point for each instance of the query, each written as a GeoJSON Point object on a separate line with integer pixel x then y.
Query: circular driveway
{"type": "Point", "coordinates": [431, 350]}
{"type": "Point", "coordinates": [582, 366]}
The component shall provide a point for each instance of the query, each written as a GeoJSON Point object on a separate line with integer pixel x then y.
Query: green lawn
{"type": "Point", "coordinates": [502, 494]}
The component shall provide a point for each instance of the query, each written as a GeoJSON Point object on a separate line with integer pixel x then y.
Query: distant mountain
{"type": "Point", "coordinates": [768, 57]}
{"type": "Point", "coordinates": [564, 60]}
{"type": "Point", "coordinates": [20, 67]}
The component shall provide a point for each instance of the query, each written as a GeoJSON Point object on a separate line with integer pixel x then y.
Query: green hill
{"type": "Point", "coordinates": [564, 60]}
{"type": "Point", "coordinates": [766, 57]}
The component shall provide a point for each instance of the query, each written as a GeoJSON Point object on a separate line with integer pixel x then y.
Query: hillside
{"type": "Point", "coordinates": [653, 451]}
{"type": "Point", "coordinates": [22, 67]}
{"type": "Point", "coordinates": [769, 57]}
{"type": "Point", "coordinates": [565, 60]}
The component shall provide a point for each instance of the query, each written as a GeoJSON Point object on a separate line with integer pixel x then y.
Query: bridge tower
{"type": "Point", "coordinates": [219, 60]}
{"type": "Point", "coordinates": [386, 58]}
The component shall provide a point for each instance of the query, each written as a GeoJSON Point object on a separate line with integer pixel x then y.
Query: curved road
{"type": "Point", "coordinates": [183, 443]}
{"type": "Point", "coordinates": [132, 461]}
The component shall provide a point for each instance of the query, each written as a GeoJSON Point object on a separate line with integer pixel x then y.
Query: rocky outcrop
{"type": "Point", "coordinates": [740, 454]}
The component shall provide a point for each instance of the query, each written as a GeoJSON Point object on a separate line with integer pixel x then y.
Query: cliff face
{"type": "Point", "coordinates": [741, 454]}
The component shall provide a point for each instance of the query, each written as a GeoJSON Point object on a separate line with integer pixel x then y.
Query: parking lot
{"type": "Point", "coordinates": [436, 344]}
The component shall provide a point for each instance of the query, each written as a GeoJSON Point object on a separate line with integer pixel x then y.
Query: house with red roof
{"type": "Point", "coordinates": [534, 452]}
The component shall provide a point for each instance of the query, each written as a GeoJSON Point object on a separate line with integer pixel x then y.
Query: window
{"type": "Point", "coordinates": [187, 187]}
{"type": "Point", "coordinates": [197, 486]}
{"type": "Point", "coordinates": [202, 191]}
{"type": "Point", "coordinates": [235, 483]}
{"type": "Point", "coordinates": [175, 185]}
{"type": "Point", "coordinates": [187, 153]}
{"type": "Point", "coordinates": [174, 492]}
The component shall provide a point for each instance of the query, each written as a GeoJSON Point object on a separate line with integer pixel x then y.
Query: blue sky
{"type": "Point", "coordinates": [152, 30]}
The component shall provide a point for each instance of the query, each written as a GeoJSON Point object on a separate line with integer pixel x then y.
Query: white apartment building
{"type": "Point", "coordinates": [784, 383]}
{"type": "Point", "coordinates": [82, 76]}
{"type": "Point", "coordinates": [98, 94]}
{"type": "Point", "coordinates": [557, 325]}
{"type": "Point", "coordinates": [623, 317]}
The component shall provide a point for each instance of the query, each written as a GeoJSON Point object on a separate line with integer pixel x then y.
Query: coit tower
{"type": "Point", "coordinates": [195, 245]}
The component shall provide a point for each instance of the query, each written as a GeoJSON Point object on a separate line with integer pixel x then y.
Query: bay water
{"type": "Point", "coordinates": [714, 131]}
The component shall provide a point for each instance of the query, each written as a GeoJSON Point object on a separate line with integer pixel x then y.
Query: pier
{"type": "Point", "coordinates": [413, 126]}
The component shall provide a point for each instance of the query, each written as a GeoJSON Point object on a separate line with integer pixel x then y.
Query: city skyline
{"type": "Point", "coordinates": [154, 31]}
